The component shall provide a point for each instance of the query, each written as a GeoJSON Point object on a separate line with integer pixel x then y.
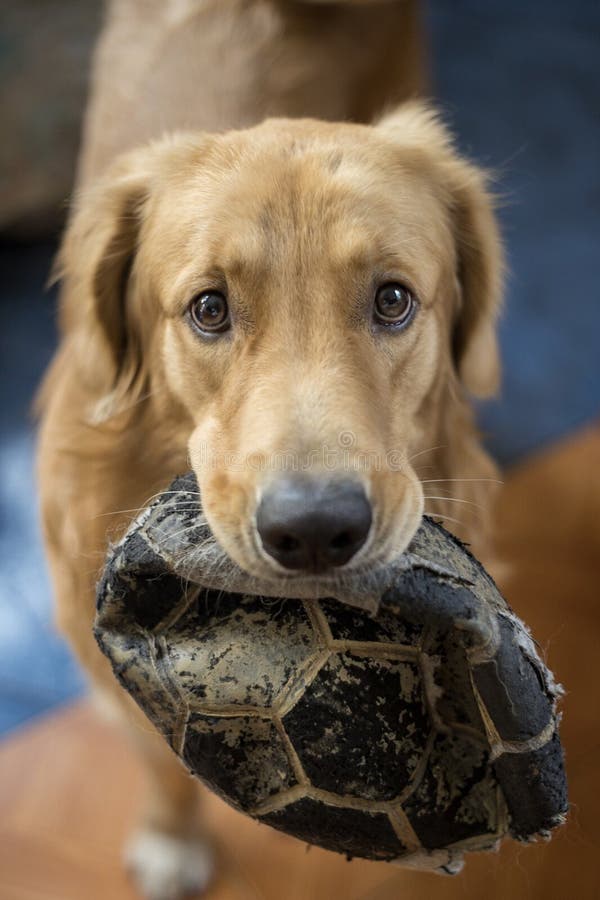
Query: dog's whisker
{"type": "Point", "coordinates": [428, 450]}
{"type": "Point", "coordinates": [445, 518]}
{"type": "Point", "coordinates": [205, 548]}
{"type": "Point", "coordinates": [171, 535]}
{"type": "Point", "coordinates": [139, 509]}
{"type": "Point", "coordinates": [149, 500]}
{"type": "Point", "coordinates": [447, 491]}
{"type": "Point", "coordinates": [172, 493]}
{"type": "Point", "coordinates": [118, 512]}
{"type": "Point", "coordinates": [478, 480]}
{"type": "Point", "coordinates": [454, 500]}
{"type": "Point", "coordinates": [178, 493]}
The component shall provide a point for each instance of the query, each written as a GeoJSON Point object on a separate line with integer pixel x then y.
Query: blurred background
{"type": "Point", "coordinates": [520, 85]}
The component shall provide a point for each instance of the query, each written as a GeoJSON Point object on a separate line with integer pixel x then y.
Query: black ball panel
{"type": "Point", "coordinates": [150, 590]}
{"type": "Point", "coordinates": [455, 701]}
{"type": "Point", "coordinates": [350, 831]}
{"type": "Point", "coordinates": [511, 675]}
{"type": "Point", "coordinates": [242, 757]}
{"type": "Point", "coordinates": [347, 624]}
{"type": "Point", "coordinates": [543, 772]}
{"type": "Point", "coordinates": [456, 797]}
{"type": "Point", "coordinates": [361, 726]}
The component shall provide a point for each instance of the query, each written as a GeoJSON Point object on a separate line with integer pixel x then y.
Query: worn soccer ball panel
{"type": "Point", "coordinates": [403, 715]}
{"type": "Point", "coordinates": [361, 727]}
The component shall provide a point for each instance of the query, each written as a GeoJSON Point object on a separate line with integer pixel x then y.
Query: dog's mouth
{"type": "Point", "coordinates": [359, 583]}
{"type": "Point", "coordinates": [196, 552]}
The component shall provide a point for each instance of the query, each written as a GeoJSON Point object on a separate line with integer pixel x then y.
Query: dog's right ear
{"type": "Point", "coordinates": [479, 262]}
{"type": "Point", "coordinates": [107, 315]}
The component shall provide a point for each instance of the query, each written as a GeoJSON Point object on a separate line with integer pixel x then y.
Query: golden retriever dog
{"type": "Point", "coordinates": [322, 293]}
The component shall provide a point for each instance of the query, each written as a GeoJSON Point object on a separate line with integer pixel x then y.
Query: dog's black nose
{"type": "Point", "coordinates": [311, 524]}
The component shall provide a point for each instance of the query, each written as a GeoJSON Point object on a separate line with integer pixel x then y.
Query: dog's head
{"type": "Point", "coordinates": [311, 303]}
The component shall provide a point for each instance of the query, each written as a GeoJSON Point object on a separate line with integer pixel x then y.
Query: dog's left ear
{"type": "Point", "coordinates": [479, 264]}
{"type": "Point", "coordinates": [95, 263]}
{"type": "Point", "coordinates": [108, 310]}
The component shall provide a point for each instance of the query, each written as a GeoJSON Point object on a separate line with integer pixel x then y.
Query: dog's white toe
{"type": "Point", "coordinates": [165, 867]}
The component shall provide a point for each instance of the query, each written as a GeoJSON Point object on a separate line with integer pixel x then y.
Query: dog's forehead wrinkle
{"type": "Point", "coordinates": [323, 219]}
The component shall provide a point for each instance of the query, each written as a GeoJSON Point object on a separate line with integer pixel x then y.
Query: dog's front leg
{"type": "Point", "coordinates": [168, 855]}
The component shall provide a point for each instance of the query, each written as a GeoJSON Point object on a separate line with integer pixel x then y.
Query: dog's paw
{"type": "Point", "coordinates": [165, 867]}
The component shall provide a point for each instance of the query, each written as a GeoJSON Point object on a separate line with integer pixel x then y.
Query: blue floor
{"type": "Point", "coordinates": [520, 83]}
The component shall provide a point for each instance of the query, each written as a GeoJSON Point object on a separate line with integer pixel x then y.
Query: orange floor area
{"type": "Point", "coordinates": [69, 785]}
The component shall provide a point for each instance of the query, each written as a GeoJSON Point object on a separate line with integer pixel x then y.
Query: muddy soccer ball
{"type": "Point", "coordinates": [403, 716]}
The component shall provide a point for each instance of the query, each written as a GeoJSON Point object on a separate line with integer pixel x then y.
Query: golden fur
{"type": "Point", "coordinates": [298, 220]}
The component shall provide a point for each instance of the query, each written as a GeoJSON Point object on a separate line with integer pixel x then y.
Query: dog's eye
{"type": "Point", "coordinates": [394, 305]}
{"type": "Point", "coordinates": [209, 312]}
